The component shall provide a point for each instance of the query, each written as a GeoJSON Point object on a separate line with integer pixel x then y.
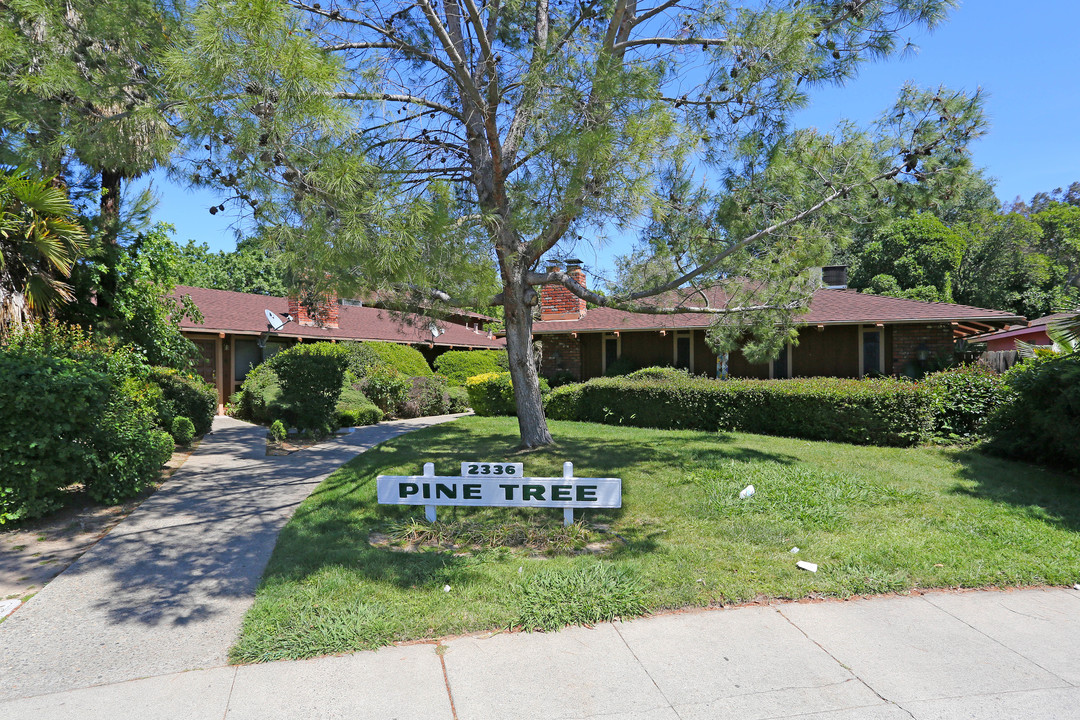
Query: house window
{"type": "Point", "coordinates": [612, 349]}
{"type": "Point", "coordinates": [683, 356]}
{"type": "Point", "coordinates": [871, 355]}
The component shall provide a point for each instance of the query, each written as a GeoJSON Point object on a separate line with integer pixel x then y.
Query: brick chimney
{"type": "Point", "coordinates": [558, 303]}
{"type": "Point", "coordinates": [324, 312]}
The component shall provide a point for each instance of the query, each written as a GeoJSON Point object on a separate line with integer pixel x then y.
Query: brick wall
{"type": "Point", "coordinates": [325, 313]}
{"type": "Point", "coordinates": [562, 353]}
{"type": "Point", "coordinates": [558, 303]}
{"type": "Point", "coordinates": [908, 340]}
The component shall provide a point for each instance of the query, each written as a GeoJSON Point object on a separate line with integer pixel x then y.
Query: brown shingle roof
{"type": "Point", "coordinates": [1038, 325]}
{"type": "Point", "coordinates": [242, 313]}
{"type": "Point", "coordinates": [828, 307]}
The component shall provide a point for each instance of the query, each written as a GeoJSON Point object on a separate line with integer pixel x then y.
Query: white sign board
{"type": "Point", "coordinates": [498, 485]}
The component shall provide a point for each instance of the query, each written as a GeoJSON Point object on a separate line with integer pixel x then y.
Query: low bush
{"type": "Point", "coordinates": [873, 412]}
{"type": "Point", "coordinates": [185, 395]}
{"type": "Point", "coordinates": [460, 365]}
{"type": "Point", "coordinates": [458, 398]}
{"type": "Point", "coordinates": [259, 399]}
{"type": "Point", "coordinates": [1040, 420]}
{"type": "Point", "coordinates": [493, 394]}
{"type": "Point", "coordinates": [182, 430]}
{"type": "Point", "coordinates": [311, 376]}
{"type": "Point", "coordinates": [74, 410]}
{"type": "Point", "coordinates": [278, 432]}
{"type": "Point", "coordinates": [962, 399]}
{"type": "Point", "coordinates": [387, 388]}
{"type": "Point", "coordinates": [354, 408]}
{"type": "Point", "coordinates": [427, 396]}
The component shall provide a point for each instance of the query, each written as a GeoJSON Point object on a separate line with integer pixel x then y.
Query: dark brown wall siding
{"type": "Point", "coordinates": [704, 357]}
{"type": "Point", "coordinates": [646, 349]}
{"type": "Point", "coordinates": [832, 352]}
{"type": "Point", "coordinates": [591, 359]}
{"type": "Point", "coordinates": [739, 367]}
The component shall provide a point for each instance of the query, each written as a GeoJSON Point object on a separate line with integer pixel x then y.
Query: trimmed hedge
{"type": "Point", "coordinates": [311, 376]}
{"type": "Point", "coordinates": [459, 399]}
{"type": "Point", "coordinates": [259, 399]}
{"type": "Point", "coordinates": [406, 359]}
{"type": "Point", "coordinates": [870, 412]}
{"type": "Point", "coordinates": [427, 396]}
{"type": "Point", "coordinates": [493, 394]}
{"type": "Point", "coordinates": [460, 365]}
{"type": "Point", "coordinates": [354, 408]}
{"type": "Point", "coordinates": [1040, 421]}
{"type": "Point", "coordinates": [185, 395]}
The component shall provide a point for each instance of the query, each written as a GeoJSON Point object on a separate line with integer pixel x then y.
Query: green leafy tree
{"type": "Point", "coordinates": [917, 257]}
{"type": "Point", "coordinates": [39, 242]}
{"type": "Point", "coordinates": [250, 268]}
{"type": "Point", "coordinates": [1060, 223]}
{"type": "Point", "coordinates": [413, 147]}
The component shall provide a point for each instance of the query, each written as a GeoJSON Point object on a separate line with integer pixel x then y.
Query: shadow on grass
{"type": "Point", "coordinates": [1043, 494]}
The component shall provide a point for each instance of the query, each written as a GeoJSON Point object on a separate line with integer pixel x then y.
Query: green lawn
{"type": "Point", "coordinates": [874, 520]}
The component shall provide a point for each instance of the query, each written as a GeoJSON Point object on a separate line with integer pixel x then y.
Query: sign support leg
{"type": "Point", "coordinates": [568, 513]}
{"type": "Point", "coordinates": [429, 510]}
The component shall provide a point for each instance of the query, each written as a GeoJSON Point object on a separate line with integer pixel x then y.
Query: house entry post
{"type": "Point", "coordinates": [568, 513]}
{"type": "Point", "coordinates": [429, 510]}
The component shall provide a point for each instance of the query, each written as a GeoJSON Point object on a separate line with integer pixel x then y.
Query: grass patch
{"type": "Point", "coordinates": [873, 519]}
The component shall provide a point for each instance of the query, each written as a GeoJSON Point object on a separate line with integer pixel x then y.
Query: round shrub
{"type": "Point", "coordinates": [278, 432]}
{"type": "Point", "coordinates": [183, 430]}
{"type": "Point", "coordinates": [311, 376]}
{"type": "Point", "coordinates": [186, 395]}
{"type": "Point", "coordinates": [962, 399]}
{"type": "Point", "coordinates": [365, 356]}
{"type": "Point", "coordinates": [460, 365]}
{"type": "Point", "coordinates": [259, 399]}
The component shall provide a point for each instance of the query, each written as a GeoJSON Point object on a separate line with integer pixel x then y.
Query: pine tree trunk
{"type": "Point", "coordinates": [110, 227]}
{"type": "Point", "coordinates": [532, 424]}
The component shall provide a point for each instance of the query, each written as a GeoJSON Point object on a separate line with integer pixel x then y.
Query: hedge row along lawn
{"type": "Point", "coordinates": [874, 519]}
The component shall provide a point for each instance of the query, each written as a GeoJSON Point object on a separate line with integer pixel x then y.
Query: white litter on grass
{"type": "Point", "coordinates": [520, 569]}
{"type": "Point", "coordinates": [793, 550]}
{"type": "Point", "coordinates": [803, 565]}
{"type": "Point", "coordinates": [747, 491]}
{"type": "Point", "coordinates": [1076, 586]}
{"type": "Point", "coordinates": [446, 588]}
{"type": "Point", "coordinates": [9, 606]}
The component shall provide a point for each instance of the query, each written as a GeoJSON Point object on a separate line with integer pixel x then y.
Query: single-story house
{"type": "Point", "coordinates": [237, 334]}
{"type": "Point", "coordinates": [1033, 333]}
{"type": "Point", "coordinates": [845, 334]}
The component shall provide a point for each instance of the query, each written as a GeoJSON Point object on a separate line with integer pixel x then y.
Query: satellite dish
{"type": "Point", "coordinates": [274, 322]}
{"type": "Point", "coordinates": [435, 330]}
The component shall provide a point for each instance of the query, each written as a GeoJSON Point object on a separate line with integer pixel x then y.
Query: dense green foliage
{"type": "Point", "coordinates": [460, 365]}
{"type": "Point", "coordinates": [427, 396]}
{"type": "Point", "coordinates": [250, 268]}
{"type": "Point", "coordinates": [182, 430]}
{"type": "Point", "coordinates": [493, 393]}
{"type": "Point", "coordinates": [458, 398]}
{"type": "Point", "coordinates": [278, 431]}
{"type": "Point", "coordinates": [962, 399]}
{"type": "Point", "coordinates": [354, 408]}
{"type": "Point", "coordinates": [311, 376]}
{"type": "Point", "coordinates": [259, 399]}
{"type": "Point", "coordinates": [1041, 420]}
{"type": "Point", "coordinates": [187, 395]}
{"type": "Point", "coordinates": [875, 520]}
{"type": "Point", "coordinates": [874, 412]}
{"type": "Point", "coordinates": [73, 411]}
{"type": "Point", "coordinates": [406, 359]}
{"type": "Point", "coordinates": [386, 387]}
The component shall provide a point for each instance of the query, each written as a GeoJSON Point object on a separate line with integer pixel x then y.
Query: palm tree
{"type": "Point", "coordinates": [39, 242]}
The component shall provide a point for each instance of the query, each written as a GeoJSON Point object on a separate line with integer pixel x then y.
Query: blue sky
{"type": "Point", "coordinates": [1024, 55]}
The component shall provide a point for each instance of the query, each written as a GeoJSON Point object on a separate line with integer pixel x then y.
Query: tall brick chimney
{"type": "Point", "coordinates": [323, 313]}
{"type": "Point", "coordinates": [558, 303]}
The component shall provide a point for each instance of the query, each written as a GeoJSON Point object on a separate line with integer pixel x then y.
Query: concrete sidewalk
{"type": "Point", "coordinates": [165, 591]}
{"type": "Point", "coordinates": [985, 655]}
